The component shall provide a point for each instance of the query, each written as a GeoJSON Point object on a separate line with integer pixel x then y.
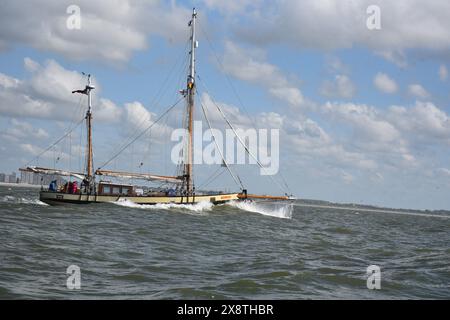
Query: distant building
{"type": "Point", "coordinates": [31, 178]}
{"type": "Point", "coordinates": [38, 179]}
{"type": "Point", "coordinates": [12, 178]}
{"type": "Point", "coordinates": [26, 177]}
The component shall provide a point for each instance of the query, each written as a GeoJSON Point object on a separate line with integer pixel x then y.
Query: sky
{"type": "Point", "coordinates": [363, 112]}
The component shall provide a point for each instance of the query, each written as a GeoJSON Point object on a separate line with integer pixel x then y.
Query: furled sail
{"type": "Point", "coordinates": [144, 176]}
{"type": "Point", "coordinates": [53, 172]}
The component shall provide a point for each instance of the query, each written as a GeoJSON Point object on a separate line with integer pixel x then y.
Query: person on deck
{"type": "Point", "coordinates": [53, 186]}
{"type": "Point", "coordinates": [74, 187]}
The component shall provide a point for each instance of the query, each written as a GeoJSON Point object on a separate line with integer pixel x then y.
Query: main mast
{"type": "Point", "coordinates": [190, 108]}
{"type": "Point", "coordinates": [89, 162]}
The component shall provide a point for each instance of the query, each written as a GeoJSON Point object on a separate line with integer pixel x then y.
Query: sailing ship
{"type": "Point", "coordinates": [183, 187]}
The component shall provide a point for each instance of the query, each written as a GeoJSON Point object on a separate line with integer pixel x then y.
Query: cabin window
{"type": "Point", "coordinates": [125, 190]}
{"type": "Point", "coordinates": [106, 189]}
{"type": "Point", "coordinates": [116, 190]}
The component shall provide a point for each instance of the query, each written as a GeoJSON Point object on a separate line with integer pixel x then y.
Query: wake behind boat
{"type": "Point", "coordinates": [92, 187]}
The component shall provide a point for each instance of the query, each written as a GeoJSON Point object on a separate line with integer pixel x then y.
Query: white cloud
{"type": "Point", "coordinates": [384, 83]}
{"type": "Point", "coordinates": [137, 119]}
{"type": "Point", "coordinates": [31, 65]}
{"type": "Point", "coordinates": [369, 133]}
{"type": "Point", "coordinates": [443, 72]}
{"type": "Point", "coordinates": [270, 120]}
{"type": "Point", "coordinates": [301, 137]}
{"type": "Point", "coordinates": [230, 7]}
{"type": "Point", "coordinates": [390, 139]}
{"type": "Point", "coordinates": [46, 93]}
{"type": "Point", "coordinates": [31, 149]}
{"type": "Point", "coordinates": [418, 91]}
{"type": "Point", "coordinates": [137, 116]}
{"type": "Point", "coordinates": [335, 65]}
{"type": "Point", "coordinates": [369, 123]}
{"type": "Point", "coordinates": [397, 57]}
{"type": "Point", "coordinates": [8, 82]}
{"type": "Point", "coordinates": [249, 65]}
{"type": "Point", "coordinates": [423, 121]}
{"type": "Point", "coordinates": [394, 138]}
{"type": "Point", "coordinates": [111, 30]}
{"type": "Point", "coordinates": [341, 87]}
{"type": "Point", "coordinates": [306, 139]}
{"type": "Point", "coordinates": [231, 112]}
{"type": "Point", "coordinates": [291, 95]}
{"type": "Point", "coordinates": [22, 129]}
{"type": "Point", "coordinates": [444, 171]}
{"type": "Point", "coordinates": [330, 25]}
{"type": "Point", "coordinates": [107, 111]}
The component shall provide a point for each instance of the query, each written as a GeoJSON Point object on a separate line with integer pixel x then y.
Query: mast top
{"type": "Point", "coordinates": [87, 89]}
{"type": "Point", "coordinates": [194, 45]}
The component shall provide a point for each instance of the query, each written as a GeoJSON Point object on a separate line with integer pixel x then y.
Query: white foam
{"type": "Point", "coordinates": [198, 207]}
{"type": "Point", "coordinates": [33, 201]}
{"type": "Point", "coordinates": [12, 199]}
{"type": "Point", "coordinates": [273, 208]}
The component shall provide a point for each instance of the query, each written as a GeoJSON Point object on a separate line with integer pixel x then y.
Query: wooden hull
{"type": "Point", "coordinates": [54, 198]}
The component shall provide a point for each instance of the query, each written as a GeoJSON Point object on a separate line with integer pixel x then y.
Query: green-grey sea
{"type": "Point", "coordinates": [307, 250]}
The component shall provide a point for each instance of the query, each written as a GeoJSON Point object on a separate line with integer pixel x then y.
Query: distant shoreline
{"type": "Point", "coordinates": [20, 185]}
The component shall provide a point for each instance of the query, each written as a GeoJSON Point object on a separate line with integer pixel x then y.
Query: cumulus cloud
{"type": "Point", "coordinates": [46, 93]}
{"type": "Point", "coordinates": [341, 87]}
{"type": "Point", "coordinates": [444, 171]}
{"type": "Point", "coordinates": [330, 25]}
{"type": "Point", "coordinates": [301, 136]}
{"type": "Point", "coordinates": [111, 30]}
{"type": "Point", "coordinates": [397, 57]}
{"type": "Point", "coordinates": [334, 65]}
{"type": "Point", "coordinates": [384, 83]}
{"type": "Point", "coordinates": [418, 91]}
{"type": "Point", "coordinates": [395, 137]}
{"type": "Point", "coordinates": [424, 122]}
{"type": "Point", "coordinates": [250, 66]}
{"type": "Point", "coordinates": [19, 130]}
{"type": "Point", "coordinates": [443, 72]}
{"type": "Point", "coordinates": [231, 112]}
{"type": "Point", "coordinates": [367, 120]}
{"type": "Point", "coordinates": [136, 115]}
{"type": "Point", "coordinates": [230, 7]}
{"type": "Point", "coordinates": [369, 133]}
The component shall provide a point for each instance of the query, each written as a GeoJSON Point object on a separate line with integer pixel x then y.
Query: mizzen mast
{"type": "Point", "coordinates": [190, 108]}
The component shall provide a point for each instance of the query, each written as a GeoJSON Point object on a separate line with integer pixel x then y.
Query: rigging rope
{"type": "Point", "coordinates": [181, 60]}
{"type": "Point", "coordinates": [141, 134]}
{"type": "Point", "coordinates": [230, 83]}
{"type": "Point", "coordinates": [213, 177]}
{"type": "Point", "coordinates": [236, 180]}
{"type": "Point", "coordinates": [239, 138]}
{"type": "Point", "coordinates": [55, 143]}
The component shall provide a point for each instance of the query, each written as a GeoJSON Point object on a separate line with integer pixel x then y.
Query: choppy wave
{"type": "Point", "coordinates": [198, 207]}
{"type": "Point", "coordinates": [174, 252]}
{"type": "Point", "coordinates": [20, 200]}
{"type": "Point", "coordinates": [358, 211]}
{"type": "Point", "coordinates": [272, 208]}
{"type": "Point", "coordinates": [266, 208]}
